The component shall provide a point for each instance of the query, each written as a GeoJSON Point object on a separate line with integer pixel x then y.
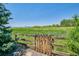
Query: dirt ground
{"type": "Point", "coordinates": [23, 50]}
{"type": "Point", "coordinates": [30, 52]}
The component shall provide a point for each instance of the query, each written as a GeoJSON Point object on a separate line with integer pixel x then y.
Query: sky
{"type": "Point", "coordinates": [40, 14]}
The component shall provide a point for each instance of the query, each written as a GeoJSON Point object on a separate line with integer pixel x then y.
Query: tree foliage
{"type": "Point", "coordinates": [6, 42]}
{"type": "Point", "coordinates": [68, 22]}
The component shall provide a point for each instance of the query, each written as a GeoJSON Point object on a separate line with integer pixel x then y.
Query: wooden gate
{"type": "Point", "coordinates": [44, 44]}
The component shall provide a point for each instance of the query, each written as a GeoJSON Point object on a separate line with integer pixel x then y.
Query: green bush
{"type": "Point", "coordinates": [73, 42]}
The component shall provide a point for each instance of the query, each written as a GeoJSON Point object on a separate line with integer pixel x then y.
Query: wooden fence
{"type": "Point", "coordinates": [42, 43]}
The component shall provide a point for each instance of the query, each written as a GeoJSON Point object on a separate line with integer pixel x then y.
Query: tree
{"type": "Point", "coordinates": [67, 22]}
{"type": "Point", "coordinates": [6, 42]}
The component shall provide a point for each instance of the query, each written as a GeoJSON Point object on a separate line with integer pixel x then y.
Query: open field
{"type": "Point", "coordinates": [60, 43]}
{"type": "Point", "coordinates": [43, 30]}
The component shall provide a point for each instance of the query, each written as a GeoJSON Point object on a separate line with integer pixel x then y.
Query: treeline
{"type": "Point", "coordinates": [63, 23]}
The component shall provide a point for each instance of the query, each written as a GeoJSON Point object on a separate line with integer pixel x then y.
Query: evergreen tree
{"type": "Point", "coordinates": [6, 42]}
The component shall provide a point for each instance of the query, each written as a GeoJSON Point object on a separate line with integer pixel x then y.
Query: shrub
{"type": "Point", "coordinates": [73, 43]}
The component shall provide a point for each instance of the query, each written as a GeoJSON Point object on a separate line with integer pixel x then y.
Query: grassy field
{"type": "Point", "coordinates": [55, 31]}
{"type": "Point", "coordinates": [43, 30]}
